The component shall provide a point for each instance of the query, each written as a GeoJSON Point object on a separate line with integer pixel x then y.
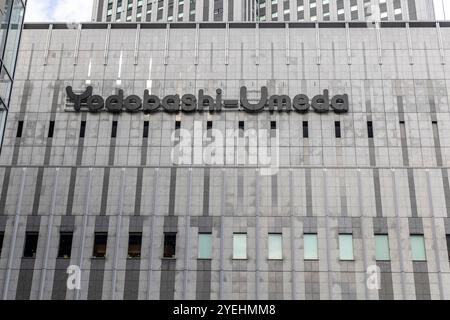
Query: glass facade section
{"type": "Point", "coordinates": [11, 22]}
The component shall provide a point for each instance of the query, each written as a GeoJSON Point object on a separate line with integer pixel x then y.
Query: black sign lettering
{"type": "Point", "coordinates": [189, 102]}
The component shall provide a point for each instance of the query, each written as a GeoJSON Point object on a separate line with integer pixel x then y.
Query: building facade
{"type": "Point", "coordinates": [11, 21]}
{"type": "Point", "coordinates": [357, 205]}
{"type": "Point", "coordinates": [260, 10]}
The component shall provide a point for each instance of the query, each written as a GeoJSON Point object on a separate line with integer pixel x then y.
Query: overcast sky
{"type": "Point", "coordinates": [59, 10]}
{"type": "Point", "coordinates": [81, 10]}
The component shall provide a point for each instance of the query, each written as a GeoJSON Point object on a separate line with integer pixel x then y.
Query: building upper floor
{"type": "Point", "coordinates": [261, 10]}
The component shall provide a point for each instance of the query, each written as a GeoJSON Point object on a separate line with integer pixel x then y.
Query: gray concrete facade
{"type": "Point", "coordinates": [394, 183]}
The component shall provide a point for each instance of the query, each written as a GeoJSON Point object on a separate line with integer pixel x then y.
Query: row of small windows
{"type": "Point", "coordinates": [260, 11]}
{"type": "Point", "coordinates": [209, 126]}
{"type": "Point", "coordinates": [205, 247]}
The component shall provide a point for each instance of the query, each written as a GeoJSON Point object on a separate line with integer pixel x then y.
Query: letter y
{"type": "Point", "coordinates": [78, 99]}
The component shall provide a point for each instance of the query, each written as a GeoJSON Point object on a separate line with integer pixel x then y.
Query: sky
{"type": "Point", "coordinates": [81, 10]}
{"type": "Point", "coordinates": [59, 10]}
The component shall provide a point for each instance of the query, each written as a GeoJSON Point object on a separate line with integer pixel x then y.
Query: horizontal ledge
{"type": "Point", "coordinates": [223, 25]}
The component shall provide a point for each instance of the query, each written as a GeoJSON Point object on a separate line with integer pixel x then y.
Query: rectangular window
{"type": "Point", "coordinates": [2, 235]}
{"type": "Point", "coordinates": [65, 245]}
{"type": "Point", "coordinates": [448, 245]}
{"type": "Point", "coordinates": [273, 125]}
{"type": "Point", "coordinates": [346, 247]}
{"type": "Point", "coordinates": [337, 129]}
{"type": "Point", "coordinates": [170, 242]}
{"type": "Point", "coordinates": [177, 125]}
{"type": "Point", "coordinates": [310, 244]}
{"type": "Point", "coordinates": [417, 248]}
{"type": "Point", "coordinates": [51, 129]}
{"type": "Point", "coordinates": [240, 246]}
{"type": "Point", "coordinates": [134, 245]}
{"type": "Point", "coordinates": [209, 126]}
{"type": "Point", "coordinates": [31, 242]}
{"type": "Point", "coordinates": [204, 246]}
{"type": "Point", "coordinates": [275, 246]}
{"type": "Point", "coordinates": [305, 130]}
{"type": "Point", "coordinates": [382, 247]}
{"type": "Point", "coordinates": [19, 129]}
{"type": "Point", "coordinates": [114, 129]}
{"type": "Point", "coordinates": [370, 129]}
{"type": "Point", "coordinates": [146, 127]}
{"type": "Point", "coordinates": [241, 129]}
{"type": "Point", "coordinates": [100, 242]}
{"type": "Point", "coordinates": [83, 129]}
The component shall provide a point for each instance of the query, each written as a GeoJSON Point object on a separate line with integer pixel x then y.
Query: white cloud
{"type": "Point", "coordinates": [59, 10]}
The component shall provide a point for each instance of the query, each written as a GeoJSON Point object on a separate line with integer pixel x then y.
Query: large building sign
{"type": "Point", "coordinates": [189, 103]}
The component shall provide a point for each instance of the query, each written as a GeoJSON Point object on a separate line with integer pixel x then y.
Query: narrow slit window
{"type": "Point", "coordinates": [65, 245]}
{"type": "Point", "coordinates": [19, 129]}
{"type": "Point", "coordinates": [241, 129]}
{"type": "Point", "coordinates": [51, 129]}
{"type": "Point", "coordinates": [448, 245]}
{"type": "Point", "coordinates": [83, 129]}
{"type": "Point", "coordinates": [146, 128]}
{"type": "Point", "coordinates": [100, 243]}
{"type": "Point", "coordinates": [337, 129]}
{"type": "Point", "coordinates": [305, 130]}
{"type": "Point", "coordinates": [209, 126]}
{"type": "Point", "coordinates": [2, 235]}
{"type": "Point", "coordinates": [273, 128]}
{"type": "Point", "coordinates": [134, 245]}
{"type": "Point", "coordinates": [31, 242]}
{"type": "Point", "coordinates": [370, 129]}
{"type": "Point", "coordinates": [114, 129]}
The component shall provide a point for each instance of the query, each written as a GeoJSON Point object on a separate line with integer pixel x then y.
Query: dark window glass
{"type": "Point", "coordinates": [177, 125]}
{"type": "Point", "coordinates": [146, 126]}
{"type": "Point", "coordinates": [273, 125]}
{"type": "Point", "coordinates": [19, 129]}
{"type": "Point", "coordinates": [370, 129]}
{"type": "Point", "coordinates": [448, 246]}
{"type": "Point", "coordinates": [51, 129]}
{"type": "Point", "coordinates": [305, 129]}
{"type": "Point", "coordinates": [209, 126]}
{"type": "Point", "coordinates": [241, 128]}
{"type": "Point", "coordinates": [337, 129]}
{"type": "Point", "coordinates": [83, 129]}
{"type": "Point", "coordinates": [170, 242]}
{"type": "Point", "coordinates": [114, 130]}
{"type": "Point", "coordinates": [31, 242]}
{"type": "Point", "coordinates": [100, 241]}
{"type": "Point", "coordinates": [2, 235]}
{"type": "Point", "coordinates": [65, 245]}
{"type": "Point", "coordinates": [134, 245]}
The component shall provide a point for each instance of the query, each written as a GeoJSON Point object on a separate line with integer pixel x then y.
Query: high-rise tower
{"type": "Point", "coordinates": [260, 10]}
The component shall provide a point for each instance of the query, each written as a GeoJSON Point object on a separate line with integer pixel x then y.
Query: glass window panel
{"type": "Point", "coordinates": [346, 247]}
{"type": "Point", "coordinates": [310, 241]}
{"type": "Point", "coordinates": [204, 246]}
{"type": "Point", "coordinates": [5, 85]}
{"type": "Point", "coordinates": [417, 248]}
{"type": "Point", "coordinates": [382, 247]}
{"type": "Point", "coordinates": [275, 246]}
{"type": "Point", "coordinates": [12, 41]}
{"type": "Point", "coordinates": [239, 246]}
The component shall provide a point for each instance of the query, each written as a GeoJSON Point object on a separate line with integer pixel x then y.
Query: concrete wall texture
{"type": "Point", "coordinates": [396, 183]}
